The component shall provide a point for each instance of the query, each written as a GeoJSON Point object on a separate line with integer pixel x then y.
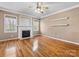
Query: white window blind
{"type": "Point", "coordinates": [10, 23]}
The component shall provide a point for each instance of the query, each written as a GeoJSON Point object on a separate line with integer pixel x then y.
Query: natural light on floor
{"type": "Point", "coordinates": [11, 51]}
{"type": "Point", "coordinates": [35, 45]}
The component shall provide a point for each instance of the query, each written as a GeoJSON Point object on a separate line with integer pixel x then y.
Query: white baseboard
{"type": "Point", "coordinates": [9, 39]}
{"type": "Point", "coordinates": [62, 40]}
{"type": "Point", "coordinates": [36, 35]}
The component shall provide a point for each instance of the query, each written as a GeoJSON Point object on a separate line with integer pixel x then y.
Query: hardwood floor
{"type": "Point", "coordinates": [47, 47]}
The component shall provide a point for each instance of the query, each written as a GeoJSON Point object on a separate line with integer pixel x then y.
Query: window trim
{"type": "Point", "coordinates": [4, 23]}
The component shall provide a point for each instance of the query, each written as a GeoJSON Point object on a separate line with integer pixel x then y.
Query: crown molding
{"type": "Point", "coordinates": [63, 10]}
{"type": "Point", "coordinates": [15, 11]}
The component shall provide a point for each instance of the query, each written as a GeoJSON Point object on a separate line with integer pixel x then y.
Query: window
{"type": "Point", "coordinates": [10, 23]}
{"type": "Point", "coordinates": [36, 25]}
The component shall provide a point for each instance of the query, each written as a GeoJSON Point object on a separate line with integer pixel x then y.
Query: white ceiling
{"type": "Point", "coordinates": [29, 7]}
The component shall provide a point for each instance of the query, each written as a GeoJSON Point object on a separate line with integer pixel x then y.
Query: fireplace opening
{"type": "Point", "coordinates": [25, 33]}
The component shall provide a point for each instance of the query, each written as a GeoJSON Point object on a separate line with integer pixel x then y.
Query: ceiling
{"type": "Point", "coordinates": [28, 8]}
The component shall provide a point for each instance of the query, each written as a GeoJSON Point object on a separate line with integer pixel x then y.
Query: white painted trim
{"type": "Point", "coordinates": [4, 23]}
{"type": "Point", "coordinates": [9, 39]}
{"type": "Point", "coordinates": [63, 10]}
{"type": "Point", "coordinates": [18, 12]}
{"type": "Point", "coordinates": [15, 11]}
{"type": "Point", "coordinates": [62, 40]}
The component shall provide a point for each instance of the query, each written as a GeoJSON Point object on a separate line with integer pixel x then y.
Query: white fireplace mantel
{"type": "Point", "coordinates": [21, 28]}
{"type": "Point", "coordinates": [24, 24]}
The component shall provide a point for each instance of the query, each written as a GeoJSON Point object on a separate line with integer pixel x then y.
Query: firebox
{"type": "Point", "coordinates": [25, 33]}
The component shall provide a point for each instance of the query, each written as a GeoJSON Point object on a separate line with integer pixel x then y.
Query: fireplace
{"type": "Point", "coordinates": [25, 33]}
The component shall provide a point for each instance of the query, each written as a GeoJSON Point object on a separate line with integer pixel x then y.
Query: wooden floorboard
{"type": "Point", "coordinates": [47, 47]}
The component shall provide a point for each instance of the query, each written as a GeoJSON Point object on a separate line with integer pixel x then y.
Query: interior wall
{"type": "Point", "coordinates": [70, 33]}
{"type": "Point", "coordinates": [2, 34]}
{"type": "Point", "coordinates": [9, 35]}
{"type": "Point", "coordinates": [25, 23]}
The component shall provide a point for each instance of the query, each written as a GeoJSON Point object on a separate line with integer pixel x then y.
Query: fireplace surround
{"type": "Point", "coordinates": [25, 31]}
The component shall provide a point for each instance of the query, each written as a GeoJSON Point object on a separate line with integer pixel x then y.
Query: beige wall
{"type": "Point", "coordinates": [70, 33]}
{"type": "Point", "coordinates": [2, 34]}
